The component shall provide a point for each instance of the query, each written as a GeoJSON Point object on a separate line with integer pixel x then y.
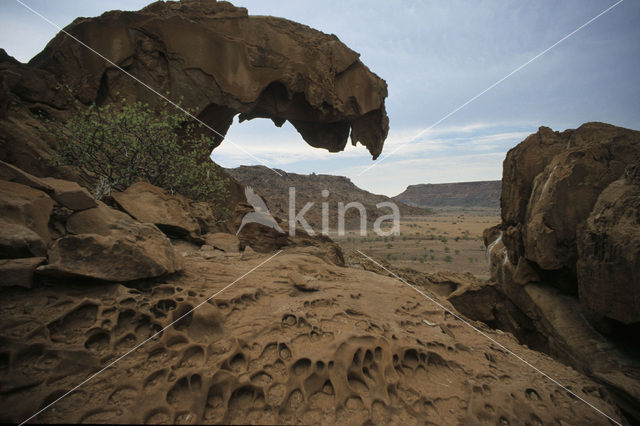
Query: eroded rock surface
{"type": "Point", "coordinates": [17, 241]}
{"type": "Point", "coordinates": [298, 340]}
{"type": "Point", "coordinates": [108, 245]}
{"type": "Point", "coordinates": [564, 260]}
{"type": "Point", "coordinates": [70, 194]}
{"type": "Point", "coordinates": [65, 232]}
{"type": "Point", "coordinates": [551, 184]}
{"type": "Point", "coordinates": [25, 206]}
{"type": "Point", "coordinates": [222, 241]}
{"type": "Point", "coordinates": [150, 204]}
{"type": "Point", "coordinates": [19, 272]}
{"type": "Point", "coordinates": [609, 249]}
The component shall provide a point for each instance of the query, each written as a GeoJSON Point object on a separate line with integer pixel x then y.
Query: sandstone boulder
{"type": "Point", "coordinates": [319, 246]}
{"type": "Point", "coordinates": [222, 241]}
{"type": "Point", "coordinates": [14, 174]}
{"type": "Point", "coordinates": [25, 90]}
{"type": "Point", "coordinates": [108, 245]}
{"type": "Point", "coordinates": [17, 241]}
{"type": "Point", "coordinates": [609, 252]}
{"type": "Point", "coordinates": [487, 302]}
{"type": "Point", "coordinates": [203, 213]}
{"type": "Point", "coordinates": [565, 257]}
{"type": "Point", "coordinates": [563, 196]}
{"type": "Point", "coordinates": [551, 182]}
{"type": "Point", "coordinates": [259, 237]}
{"type": "Point", "coordinates": [69, 194]}
{"type": "Point", "coordinates": [531, 184]}
{"type": "Point", "coordinates": [19, 272]}
{"type": "Point", "coordinates": [26, 206]}
{"type": "Point", "coordinates": [150, 204]}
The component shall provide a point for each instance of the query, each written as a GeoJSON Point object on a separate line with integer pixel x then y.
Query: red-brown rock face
{"type": "Point", "coordinates": [219, 60]}
{"type": "Point", "coordinates": [551, 182]}
{"type": "Point", "coordinates": [609, 252]}
{"type": "Point", "coordinates": [568, 249]}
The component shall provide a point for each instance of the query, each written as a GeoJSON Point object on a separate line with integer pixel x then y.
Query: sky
{"type": "Point", "coordinates": [435, 56]}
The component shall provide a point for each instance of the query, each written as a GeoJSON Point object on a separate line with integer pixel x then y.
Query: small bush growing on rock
{"type": "Point", "coordinates": [120, 144]}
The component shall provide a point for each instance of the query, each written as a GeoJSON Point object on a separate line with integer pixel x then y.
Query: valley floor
{"type": "Point", "coordinates": [450, 239]}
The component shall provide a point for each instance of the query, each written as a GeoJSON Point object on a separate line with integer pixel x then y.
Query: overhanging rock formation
{"type": "Point", "coordinates": [217, 60]}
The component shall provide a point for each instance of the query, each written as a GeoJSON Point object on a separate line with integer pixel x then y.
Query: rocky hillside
{"type": "Point", "coordinates": [461, 194]}
{"type": "Point", "coordinates": [275, 190]}
{"type": "Point", "coordinates": [565, 259]}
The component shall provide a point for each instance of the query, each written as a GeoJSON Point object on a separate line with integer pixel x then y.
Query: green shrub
{"type": "Point", "coordinates": [120, 144]}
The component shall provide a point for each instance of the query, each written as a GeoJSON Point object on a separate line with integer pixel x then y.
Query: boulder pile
{"type": "Point", "coordinates": [55, 227]}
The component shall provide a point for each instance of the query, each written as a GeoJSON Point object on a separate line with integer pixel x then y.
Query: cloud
{"type": "Point", "coordinates": [468, 152]}
{"type": "Point", "coordinates": [284, 146]}
{"type": "Point", "coordinates": [391, 178]}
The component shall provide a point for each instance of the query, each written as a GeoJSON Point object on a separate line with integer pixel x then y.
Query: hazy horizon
{"type": "Point", "coordinates": [434, 56]}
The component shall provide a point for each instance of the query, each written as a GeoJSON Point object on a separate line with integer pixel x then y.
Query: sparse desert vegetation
{"type": "Point", "coordinates": [445, 240]}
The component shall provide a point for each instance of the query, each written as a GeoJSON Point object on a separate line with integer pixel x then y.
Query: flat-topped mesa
{"type": "Point", "coordinates": [220, 61]}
